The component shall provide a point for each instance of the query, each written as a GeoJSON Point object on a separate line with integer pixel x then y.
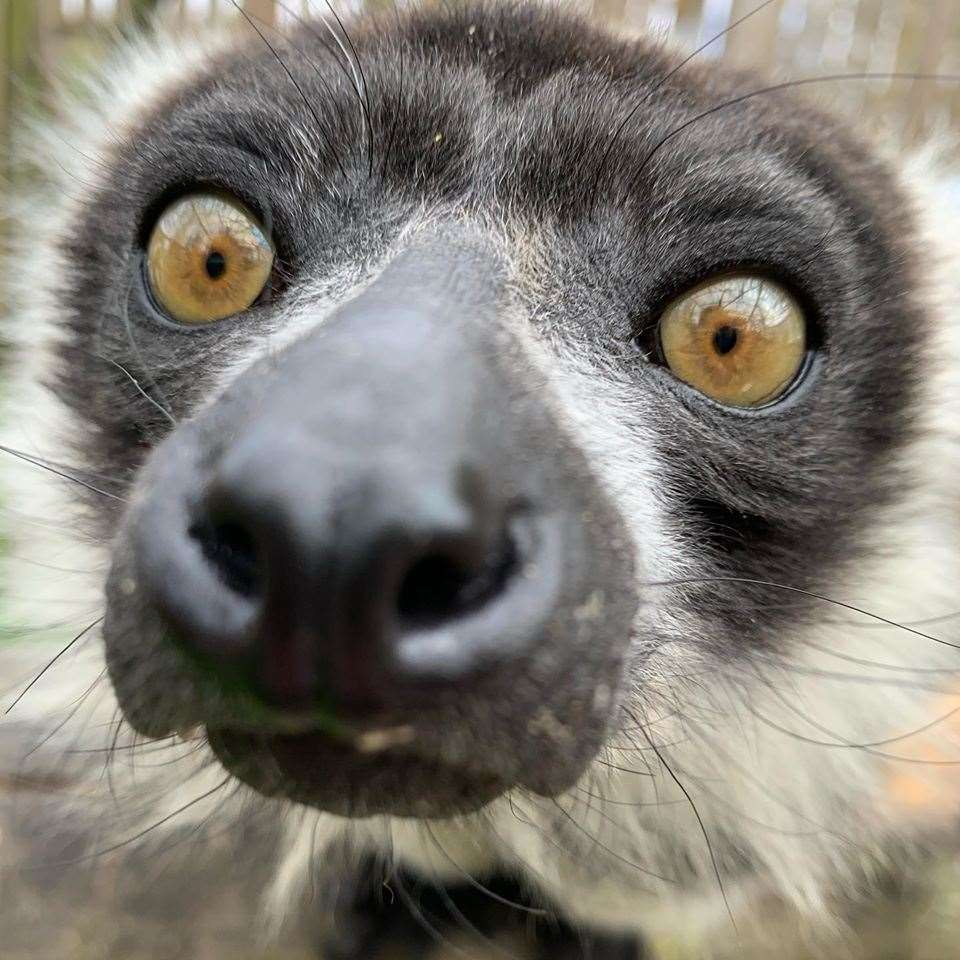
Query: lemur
{"type": "Point", "coordinates": [519, 461]}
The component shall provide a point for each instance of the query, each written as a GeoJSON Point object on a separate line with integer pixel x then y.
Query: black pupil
{"type": "Point", "coordinates": [216, 265]}
{"type": "Point", "coordinates": [725, 339]}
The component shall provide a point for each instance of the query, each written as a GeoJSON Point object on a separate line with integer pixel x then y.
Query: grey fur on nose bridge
{"type": "Point", "coordinates": [447, 269]}
{"type": "Point", "coordinates": [419, 359]}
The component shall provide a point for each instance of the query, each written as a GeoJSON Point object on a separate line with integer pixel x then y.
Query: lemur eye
{"type": "Point", "coordinates": [740, 339]}
{"type": "Point", "coordinates": [208, 258]}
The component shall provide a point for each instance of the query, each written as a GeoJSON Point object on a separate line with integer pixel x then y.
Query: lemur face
{"type": "Point", "coordinates": [486, 408]}
{"type": "Point", "coordinates": [445, 378]}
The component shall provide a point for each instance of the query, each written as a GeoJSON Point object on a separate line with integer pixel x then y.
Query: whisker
{"type": "Point", "coordinates": [476, 884]}
{"type": "Point", "coordinates": [699, 581]}
{"type": "Point", "coordinates": [150, 746]}
{"type": "Point", "coordinates": [202, 824]}
{"type": "Point", "coordinates": [76, 706]}
{"type": "Point", "coordinates": [457, 915]}
{"type": "Point", "coordinates": [731, 762]}
{"type": "Point", "coordinates": [840, 741]}
{"type": "Point", "coordinates": [166, 407]}
{"type": "Point", "coordinates": [108, 761]}
{"type": "Point", "coordinates": [351, 80]}
{"type": "Point", "coordinates": [605, 159]}
{"type": "Point", "coordinates": [879, 664]}
{"type": "Point", "coordinates": [614, 766]}
{"type": "Point", "coordinates": [159, 823]}
{"type": "Point", "coordinates": [703, 829]}
{"type": "Point", "coordinates": [172, 761]}
{"type": "Point", "coordinates": [50, 663]}
{"type": "Point", "coordinates": [887, 681]}
{"type": "Point", "coordinates": [50, 467]}
{"type": "Point", "coordinates": [143, 393]}
{"type": "Point", "coordinates": [527, 822]}
{"type": "Point", "coordinates": [865, 747]}
{"type": "Point", "coordinates": [616, 856]}
{"type": "Point", "coordinates": [395, 122]}
{"type": "Point", "coordinates": [788, 85]}
{"type": "Point", "coordinates": [630, 803]}
{"type": "Point", "coordinates": [361, 80]}
{"type": "Point", "coordinates": [418, 914]}
{"type": "Point", "coordinates": [321, 128]}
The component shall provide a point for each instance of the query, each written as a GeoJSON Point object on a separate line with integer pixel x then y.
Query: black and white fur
{"type": "Point", "coordinates": [766, 734]}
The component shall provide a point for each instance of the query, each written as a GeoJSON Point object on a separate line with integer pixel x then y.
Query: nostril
{"type": "Point", "coordinates": [232, 551]}
{"type": "Point", "coordinates": [440, 587]}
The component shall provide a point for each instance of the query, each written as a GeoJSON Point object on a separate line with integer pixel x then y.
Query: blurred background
{"type": "Point", "coordinates": [102, 913]}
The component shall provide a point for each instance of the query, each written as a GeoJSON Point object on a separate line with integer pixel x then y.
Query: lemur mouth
{"type": "Point", "coordinates": [375, 773]}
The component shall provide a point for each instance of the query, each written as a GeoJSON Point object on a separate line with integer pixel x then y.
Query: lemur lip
{"type": "Point", "coordinates": [385, 738]}
{"type": "Point", "coordinates": [368, 776]}
{"type": "Point", "coordinates": [369, 741]}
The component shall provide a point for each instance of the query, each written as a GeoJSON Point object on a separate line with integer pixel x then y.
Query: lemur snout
{"type": "Point", "coordinates": [383, 521]}
{"type": "Point", "coordinates": [358, 523]}
{"type": "Point", "coordinates": [354, 519]}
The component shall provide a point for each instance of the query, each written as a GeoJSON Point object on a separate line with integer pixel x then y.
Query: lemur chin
{"type": "Point", "coordinates": [524, 458]}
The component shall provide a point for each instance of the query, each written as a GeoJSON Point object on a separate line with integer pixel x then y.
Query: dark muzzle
{"type": "Point", "coordinates": [386, 520]}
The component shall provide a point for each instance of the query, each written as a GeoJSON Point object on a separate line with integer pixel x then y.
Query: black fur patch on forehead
{"type": "Point", "coordinates": [637, 187]}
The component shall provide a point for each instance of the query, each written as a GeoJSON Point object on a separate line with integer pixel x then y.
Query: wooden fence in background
{"type": "Point", "coordinates": [787, 38]}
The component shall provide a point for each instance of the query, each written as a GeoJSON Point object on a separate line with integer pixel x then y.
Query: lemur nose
{"type": "Point", "coordinates": [377, 517]}
{"type": "Point", "coordinates": [356, 590]}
